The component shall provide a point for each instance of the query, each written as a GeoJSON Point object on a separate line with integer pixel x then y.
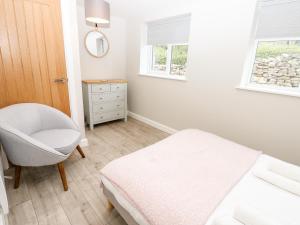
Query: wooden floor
{"type": "Point", "coordinates": [41, 199]}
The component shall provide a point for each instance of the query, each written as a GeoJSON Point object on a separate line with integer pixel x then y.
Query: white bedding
{"type": "Point", "coordinates": [264, 197]}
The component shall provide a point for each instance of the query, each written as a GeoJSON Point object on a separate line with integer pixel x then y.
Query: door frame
{"type": "Point", "coordinates": [72, 55]}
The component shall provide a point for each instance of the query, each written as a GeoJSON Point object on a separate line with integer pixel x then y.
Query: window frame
{"type": "Point", "coordinates": [160, 74]}
{"type": "Point", "coordinates": [246, 83]}
{"type": "Point", "coordinates": [168, 62]}
{"type": "Point", "coordinates": [151, 61]}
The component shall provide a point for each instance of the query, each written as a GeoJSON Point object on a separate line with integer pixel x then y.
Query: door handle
{"type": "Point", "coordinates": [61, 80]}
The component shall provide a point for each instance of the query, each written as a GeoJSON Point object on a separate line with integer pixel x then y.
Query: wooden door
{"type": "Point", "coordinates": [32, 60]}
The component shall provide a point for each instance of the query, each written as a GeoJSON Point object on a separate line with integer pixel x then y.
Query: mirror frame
{"type": "Point", "coordinates": [108, 44]}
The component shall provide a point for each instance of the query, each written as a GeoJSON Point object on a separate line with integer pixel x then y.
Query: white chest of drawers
{"type": "Point", "coordinates": [104, 100]}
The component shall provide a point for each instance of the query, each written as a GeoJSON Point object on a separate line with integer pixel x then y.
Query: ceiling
{"type": "Point", "coordinates": [126, 8]}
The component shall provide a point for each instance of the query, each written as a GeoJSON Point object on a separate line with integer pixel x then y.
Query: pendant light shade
{"type": "Point", "coordinates": [97, 11]}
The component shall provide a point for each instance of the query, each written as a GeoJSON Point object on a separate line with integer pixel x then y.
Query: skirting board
{"type": "Point", "coordinates": [152, 123]}
{"type": "Point", "coordinates": [84, 142]}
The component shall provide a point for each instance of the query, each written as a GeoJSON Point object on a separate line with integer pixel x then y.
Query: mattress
{"type": "Point", "coordinates": [155, 178]}
{"type": "Point", "coordinates": [282, 205]}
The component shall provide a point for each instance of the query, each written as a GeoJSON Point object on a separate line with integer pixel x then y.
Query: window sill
{"type": "Point", "coordinates": [270, 90]}
{"type": "Point", "coordinates": [168, 77]}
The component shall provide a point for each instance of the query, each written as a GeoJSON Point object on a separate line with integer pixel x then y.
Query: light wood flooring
{"type": "Point", "coordinates": [40, 198]}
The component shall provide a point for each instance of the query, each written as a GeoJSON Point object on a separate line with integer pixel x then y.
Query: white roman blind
{"type": "Point", "coordinates": [174, 30]}
{"type": "Point", "coordinates": [278, 19]}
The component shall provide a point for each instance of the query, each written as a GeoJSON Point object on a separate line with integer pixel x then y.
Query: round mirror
{"type": "Point", "coordinates": [96, 43]}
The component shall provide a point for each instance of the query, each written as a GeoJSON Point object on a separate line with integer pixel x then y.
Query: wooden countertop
{"type": "Point", "coordinates": [104, 81]}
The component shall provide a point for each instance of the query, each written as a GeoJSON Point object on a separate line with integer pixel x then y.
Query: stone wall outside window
{"type": "Point", "coordinates": [282, 70]}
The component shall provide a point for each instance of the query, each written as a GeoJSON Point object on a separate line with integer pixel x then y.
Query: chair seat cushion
{"type": "Point", "coordinates": [62, 140]}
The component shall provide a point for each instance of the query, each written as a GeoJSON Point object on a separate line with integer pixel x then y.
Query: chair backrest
{"type": "Point", "coordinates": [18, 123]}
{"type": "Point", "coordinates": [23, 117]}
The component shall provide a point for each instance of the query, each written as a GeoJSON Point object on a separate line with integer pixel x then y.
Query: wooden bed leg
{"type": "Point", "coordinates": [110, 206]}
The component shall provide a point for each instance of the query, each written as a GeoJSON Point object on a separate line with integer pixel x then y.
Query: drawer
{"type": "Point", "coordinates": [98, 88]}
{"type": "Point", "coordinates": [106, 116]}
{"type": "Point", "coordinates": [105, 97]}
{"type": "Point", "coordinates": [108, 106]}
{"type": "Point", "coordinates": [117, 87]}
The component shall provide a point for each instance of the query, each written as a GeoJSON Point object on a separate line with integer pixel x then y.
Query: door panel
{"type": "Point", "coordinates": [32, 53]}
{"type": "Point", "coordinates": [7, 59]}
{"type": "Point", "coordinates": [25, 66]}
{"type": "Point", "coordinates": [37, 54]}
{"type": "Point", "coordinates": [38, 29]}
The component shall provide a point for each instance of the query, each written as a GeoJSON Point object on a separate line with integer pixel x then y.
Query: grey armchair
{"type": "Point", "coordinates": [37, 135]}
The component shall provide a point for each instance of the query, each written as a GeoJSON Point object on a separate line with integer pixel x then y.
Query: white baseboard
{"type": "Point", "coordinates": [84, 142]}
{"type": "Point", "coordinates": [152, 123]}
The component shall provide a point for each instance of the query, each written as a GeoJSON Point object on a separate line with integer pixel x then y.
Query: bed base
{"type": "Point", "coordinates": [110, 206]}
{"type": "Point", "coordinates": [113, 204]}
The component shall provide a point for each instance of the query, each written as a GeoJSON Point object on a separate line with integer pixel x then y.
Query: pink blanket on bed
{"type": "Point", "coordinates": [182, 179]}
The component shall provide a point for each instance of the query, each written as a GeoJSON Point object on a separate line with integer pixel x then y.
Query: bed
{"type": "Point", "coordinates": [194, 177]}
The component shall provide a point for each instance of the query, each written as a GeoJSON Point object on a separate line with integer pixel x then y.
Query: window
{"type": "Point", "coordinates": [274, 64]}
{"type": "Point", "coordinates": [169, 59]}
{"type": "Point", "coordinates": [277, 63]}
{"type": "Point", "coordinates": [166, 50]}
{"type": "Point", "coordinates": [179, 59]}
{"type": "Point", "coordinates": [159, 58]}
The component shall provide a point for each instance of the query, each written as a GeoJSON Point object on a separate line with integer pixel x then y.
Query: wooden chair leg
{"type": "Point", "coordinates": [80, 151]}
{"type": "Point", "coordinates": [17, 176]}
{"type": "Point", "coordinates": [63, 175]}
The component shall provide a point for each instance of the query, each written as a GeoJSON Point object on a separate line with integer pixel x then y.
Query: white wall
{"type": "Point", "coordinates": [113, 65]}
{"type": "Point", "coordinates": [209, 100]}
{"type": "Point", "coordinates": [80, 65]}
